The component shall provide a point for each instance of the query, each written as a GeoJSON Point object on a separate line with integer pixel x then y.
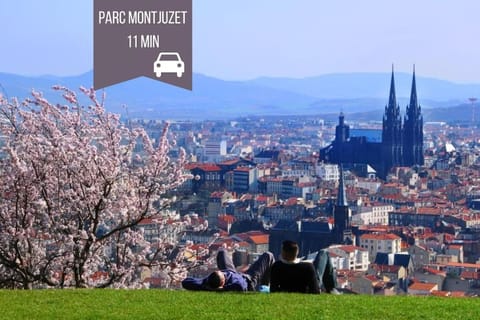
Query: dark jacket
{"type": "Point", "coordinates": [293, 277]}
{"type": "Point", "coordinates": [234, 281]}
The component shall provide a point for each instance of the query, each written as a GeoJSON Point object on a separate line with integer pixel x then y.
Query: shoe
{"type": "Point", "coordinates": [264, 289]}
{"type": "Point", "coordinates": [334, 291]}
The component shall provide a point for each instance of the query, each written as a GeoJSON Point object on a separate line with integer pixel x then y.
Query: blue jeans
{"type": "Point", "coordinates": [256, 275]}
{"type": "Point", "coordinates": [325, 272]}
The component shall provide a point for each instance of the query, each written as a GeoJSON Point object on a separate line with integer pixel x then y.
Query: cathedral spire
{"type": "Point", "coordinates": [413, 129]}
{"type": "Point", "coordinates": [392, 101]}
{"type": "Point", "coordinates": [392, 144]}
{"type": "Point", "coordinates": [342, 195]}
{"type": "Point", "coordinates": [413, 94]}
{"type": "Point", "coordinates": [341, 213]}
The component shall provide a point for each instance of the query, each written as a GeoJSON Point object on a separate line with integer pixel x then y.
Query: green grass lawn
{"type": "Point", "coordinates": [167, 304]}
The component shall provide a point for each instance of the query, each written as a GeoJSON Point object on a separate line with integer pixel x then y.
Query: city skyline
{"type": "Point", "coordinates": [301, 39]}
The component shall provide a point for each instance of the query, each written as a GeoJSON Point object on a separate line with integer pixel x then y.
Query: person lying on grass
{"type": "Point", "coordinates": [228, 279]}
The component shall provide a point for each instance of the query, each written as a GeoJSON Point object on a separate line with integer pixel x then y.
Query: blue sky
{"type": "Point", "coordinates": [244, 39]}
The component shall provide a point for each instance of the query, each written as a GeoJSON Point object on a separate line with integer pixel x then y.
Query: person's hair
{"type": "Point", "coordinates": [214, 280]}
{"type": "Point", "coordinates": [289, 250]}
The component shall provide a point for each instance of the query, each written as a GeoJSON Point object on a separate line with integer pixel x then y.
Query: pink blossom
{"type": "Point", "coordinates": [78, 194]}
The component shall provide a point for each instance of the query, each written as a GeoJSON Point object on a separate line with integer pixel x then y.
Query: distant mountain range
{"type": "Point", "coordinates": [359, 95]}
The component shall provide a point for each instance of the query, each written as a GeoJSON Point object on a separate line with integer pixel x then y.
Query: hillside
{"type": "Point", "coordinates": [213, 98]}
{"type": "Point", "coordinates": [372, 85]}
{"type": "Point", "coordinates": [179, 304]}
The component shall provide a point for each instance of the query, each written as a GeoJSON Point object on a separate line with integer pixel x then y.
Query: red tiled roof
{"type": "Point", "coordinates": [381, 236]}
{"type": "Point", "coordinates": [438, 293]}
{"type": "Point", "coordinates": [464, 265]}
{"type": "Point", "coordinates": [422, 286]}
{"type": "Point", "coordinates": [385, 268]}
{"type": "Point", "coordinates": [449, 237]}
{"type": "Point", "coordinates": [306, 184]}
{"type": "Point", "coordinates": [434, 271]}
{"type": "Point", "coordinates": [458, 294]}
{"type": "Point", "coordinates": [203, 166]}
{"type": "Point", "coordinates": [226, 218]}
{"type": "Point", "coordinates": [371, 277]}
{"type": "Point", "coordinates": [455, 246]}
{"type": "Point", "coordinates": [246, 235]}
{"type": "Point", "coordinates": [197, 247]}
{"type": "Point", "coordinates": [378, 228]}
{"type": "Point", "coordinates": [262, 198]}
{"type": "Point", "coordinates": [392, 185]}
{"type": "Point", "coordinates": [351, 248]}
{"type": "Point", "coordinates": [291, 202]}
{"type": "Point", "coordinates": [260, 239]}
{"type": "Point", "coordinates": [393, 196]}
{"type": "Point", "coordinates": [210, 167]}
{"type": "Point", "coordinates": [230, 162]}
{"type": "Point", "coordinates": [190, 166]}
{"type": "Point", "coordinates": [428, 210]}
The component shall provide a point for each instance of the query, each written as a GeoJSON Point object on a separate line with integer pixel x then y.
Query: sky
{"type": "Point", "coordinates": [245, 39]}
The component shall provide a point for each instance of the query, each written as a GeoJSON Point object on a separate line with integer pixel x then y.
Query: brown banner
{"type": "Point", "coordinates": [151, 38]}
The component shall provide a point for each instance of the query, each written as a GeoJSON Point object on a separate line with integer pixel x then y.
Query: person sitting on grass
{"type": "Point", "coordinates": [228, 279]}
{"type": "Point", "coordinates": [289, 274]}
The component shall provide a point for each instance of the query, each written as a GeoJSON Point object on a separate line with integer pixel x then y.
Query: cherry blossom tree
{"type": "Point", "coordinates": [75, 185]}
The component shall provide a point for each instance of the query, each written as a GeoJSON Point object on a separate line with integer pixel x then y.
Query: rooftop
{"type": "Point", "coordinates": [422, 286]}
{"type": "Point", "coordinates": [381, 236]}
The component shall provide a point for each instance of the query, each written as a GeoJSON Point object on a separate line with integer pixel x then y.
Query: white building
{"type": "Point", "coordinates": [295, 173]}
{"type": "Point", "coordinates": [214, 150]}
{"type": "Point", "coordinates": [289, 186]}
{"type": "Point", "coordinates": [327, 172]}
{"type": "Point", "coordinates": [371, 185]}
{"type": "Point", "coordinates": [348, 257]}
{"type": "Point", "coordinates": [385, 243]}
{"type": "Point", "coordinates": [375, 214]}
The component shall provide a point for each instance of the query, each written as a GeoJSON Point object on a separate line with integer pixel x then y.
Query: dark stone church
{"type": "Point", "coordinates": [313, 235]}
{"type": "Point", "coordinates": [401, 145]}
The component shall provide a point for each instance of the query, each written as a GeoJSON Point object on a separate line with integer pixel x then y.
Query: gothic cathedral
{"type": "Point", "coordinates": [401, 145]}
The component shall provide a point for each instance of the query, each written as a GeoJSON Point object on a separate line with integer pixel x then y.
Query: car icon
{"type": "Point", "coordinates": [168, 62]}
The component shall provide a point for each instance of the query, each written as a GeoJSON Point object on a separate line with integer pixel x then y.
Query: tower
{"type": "Point", "coordinates": [392, 146]}
{"type": "Point", "coordinates": [342, 134]}
{"type": "Point", "coordinates": [342, 131]}
{"type": "Point", "coordinates": [341, 213]}
{"type": "Point", "coordinates": [413, 130]}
